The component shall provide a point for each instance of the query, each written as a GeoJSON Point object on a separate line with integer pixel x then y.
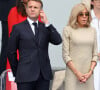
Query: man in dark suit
{"type": "Point", "coordinates": [5, 6]}
{"type": "Point", "coordinates": [32, 38]}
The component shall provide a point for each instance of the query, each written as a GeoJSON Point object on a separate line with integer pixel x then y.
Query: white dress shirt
{"type": "Point", "coordinates": [96, 24]}
{"type": "Point", "coordinates": [31, 24]}
{"type": "Point", "coordinates": [0, 36]}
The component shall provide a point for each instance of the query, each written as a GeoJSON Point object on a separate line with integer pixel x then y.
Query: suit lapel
{"type": "Point", "coordinates": [40, 33]}
{"type": "Point", "coordinates": [28, 28]}
{"type": "Point", "coordinates": [40, 28]}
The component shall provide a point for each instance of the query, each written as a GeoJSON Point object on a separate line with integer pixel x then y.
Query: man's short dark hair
{"type": "Point", "coordinates": [37, 1]}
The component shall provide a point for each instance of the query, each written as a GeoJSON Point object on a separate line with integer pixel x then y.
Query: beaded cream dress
{"type": "Point", "coordinates": [80, 46]}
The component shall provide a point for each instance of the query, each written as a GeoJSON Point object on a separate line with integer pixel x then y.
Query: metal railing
{"type": "Point", "coordinates": [7, 84]}
{"type": "Point", "coordinates": [5, 81]}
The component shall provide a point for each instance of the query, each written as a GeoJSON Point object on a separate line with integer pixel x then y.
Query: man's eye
{"type": "Point", "coordinates": [30, 6]}
{"type": "Point", "coordinates": [35, 7]}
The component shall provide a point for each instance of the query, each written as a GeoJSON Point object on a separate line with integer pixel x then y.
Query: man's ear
{"type": "Point", "coordinates": [41, 10]}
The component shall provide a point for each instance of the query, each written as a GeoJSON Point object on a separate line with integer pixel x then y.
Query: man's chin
{"type": "Point", "coordinates": [33, 18]}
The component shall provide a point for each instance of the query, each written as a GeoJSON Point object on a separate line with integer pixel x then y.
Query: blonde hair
{"type": "Point", "coordinates": [74, 14]}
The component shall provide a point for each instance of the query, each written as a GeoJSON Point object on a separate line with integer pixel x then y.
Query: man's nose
{"type": "Point", "coordinates": [32, 8]}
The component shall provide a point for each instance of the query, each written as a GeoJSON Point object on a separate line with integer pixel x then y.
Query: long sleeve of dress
{"type": "Point", "coordinates": [65, 47]}
{"type": "Point", "coordinates": [95, 56]}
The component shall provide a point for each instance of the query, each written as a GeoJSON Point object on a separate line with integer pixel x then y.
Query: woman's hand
{"type": "Point", "coordinates": [84, 77]}
{"type": "Point", "coordinates": [88, 75]}
{"type": "Point", "coordinates": [80, 77]}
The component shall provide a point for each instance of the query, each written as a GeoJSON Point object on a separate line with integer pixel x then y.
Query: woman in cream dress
{"type": "Point", "coordinates": [79, 50]}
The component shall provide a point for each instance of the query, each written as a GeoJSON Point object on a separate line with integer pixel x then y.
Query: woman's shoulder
{"type": "Point", "coordinates": [67, 28]}
{"type": "Point", "coordinates": [92, 28]}
{"type": "Point", "coordinates": [13, 9]}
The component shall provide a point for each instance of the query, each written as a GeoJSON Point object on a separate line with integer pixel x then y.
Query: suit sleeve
{"type": "Point", "coordinates": [12, 50]}
{"type": "Point", "coordinates": [55, 37]}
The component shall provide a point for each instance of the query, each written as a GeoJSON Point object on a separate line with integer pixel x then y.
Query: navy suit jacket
{"type": "Point", "coordinates": [33, 53]}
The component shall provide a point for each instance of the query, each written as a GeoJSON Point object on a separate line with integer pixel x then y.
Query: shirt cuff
{"type": "Point", "coordinates": [47, 25]}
